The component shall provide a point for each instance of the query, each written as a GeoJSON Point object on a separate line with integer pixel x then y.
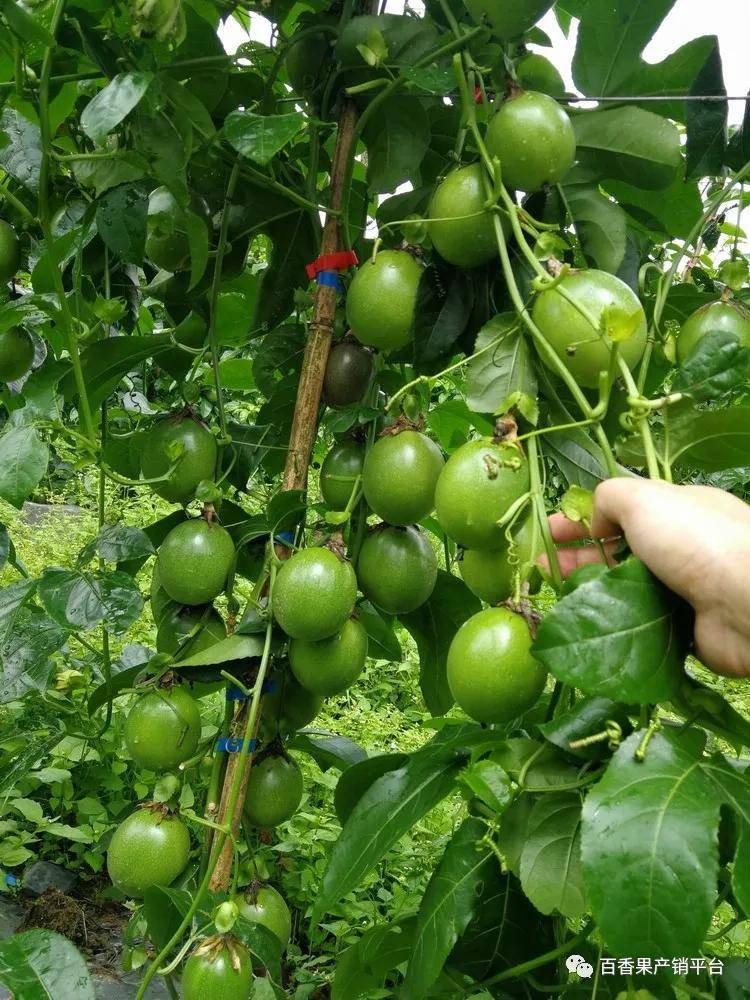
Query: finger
{"type": "Point", "coordinates": [581, 555]}
{"type": "Point", "coordinates": [563, 530]}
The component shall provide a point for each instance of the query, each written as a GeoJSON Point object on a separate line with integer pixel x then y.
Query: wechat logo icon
{"type": "Point", "coordinates": [577, 963]}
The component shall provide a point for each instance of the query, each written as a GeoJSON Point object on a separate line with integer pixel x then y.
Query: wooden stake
{"type": "Point", "coordinates": [304, 430]}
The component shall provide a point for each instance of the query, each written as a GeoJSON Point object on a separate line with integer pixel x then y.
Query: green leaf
{"type": "Point", "coordinates": [164, 909]}
{"type": "Point", "coordinates": [355, 780]}
{"type": "Point", "coordinates": [611, 36]}
{"type": "Point", "coordinates": [106, 361]}
{"type": "Point", "coordinates": [673, 211]}
{"type": "Point", "coordinates": [389, 807]}
{"type": "Point", "coordinates": [631, 145]}
{"type": "Point", "coordinates": [432, 626]}
{"type": "Point", "coordinates": [23, 463]}
{"type": "Point", "coordinates": [118, 542]}
{"type": "Point", "coordinates": [489, 782]}
{"type": "Point", "coordinates": [114, 103]}
{"type": "Point", "coordinates": [674, 75]}
{"type": "Point", "coordinates": [155, 533]}
{"type": "Point", "coordinates": [236, 374]}
{"type": "Point", "coordinates": [506, 931]}
{"type": "Point", "coordinates": [121, 680]}
{"type": "Point", "coordinates": [448, 905]}
{"type": "Point", "coordinates": [648, 828]}
{"type": "Point", "coordinates": [362, 969]}
{"type": "Point", "coordinates": [707, 120]}
{"type": "Point", "coordinates": [620, 636]}
{"type": "Point", "coordinates": [294, 245]}
{"type": "Point", "coordinates": [600, 225]}
{"type": "Point", "coordinates": [234, 647]}
{"type": "Point", "coordinates": [502, 376]}
{"type": "Point", "coordinates": [38, 965]}
{"type": "Point", "coordinates": [382, 641]}
{"type": "Point", "coordinates": [440, 316]}
{"type": "Point", "coordinates": [397, 137]}
{"type": "Point", "coordinates": [197, 234]}
{"type": "Point", "coordinates": [579, 459]}
{"type": "Point", "coordinates": [25, 653]}
{"type": "Point", "coordinates": [20, 148]}
{"type": "Point", "coordinates": [121, 215]}
{"type": "Point", "coordinates": [24, 24]}
{"type": "Point", "coordinates": [329, 750]}
{"type": "Point", "coordinates": [717, 364]}
{"type": "Point", "coordinates": [706, 440]}
{"type": "Point", "coordinates": [588, 717]}
{"type": "Point", "coordinates": [101, 175]}
{"type": "Point", "coordinates": [551, 856]}
{"type": "Point", "coordinates": [80, 600]}
{"type": "Point", "coordinates": [261, 137]}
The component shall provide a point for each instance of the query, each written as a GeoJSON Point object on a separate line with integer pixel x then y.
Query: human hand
{"type": "Point", "coordinates": [695, 539]}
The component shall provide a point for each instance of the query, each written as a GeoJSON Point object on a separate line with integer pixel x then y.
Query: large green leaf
{"type": "Point", "coordinates": [364, 966]}
{"type": "Point", "coordinates": [25, 652]}
{"type": "Point", "coordinates": [78, 599]}
{"type": "Point", "coordinates": [441, 315]}
{"type": "Point", "coordinates": [23, 463]}
{"type": "Point", "coordinates": [432, 627]}
{"type": "Point", "coordinates": [705, 440]}
{"type": "Point", "coordinates": [551, 856]}
{"type": "Point", "coordinates": [674, 75]}
{"type": "Point", "coordinates": [502, 375]}
{"type": "Point", "coordinates": [630, 144]}
{"type": "Point", "coordinates": [611, 36]}
{"type": "Point", "coordinates": [261, 137]}
{"type": "Point", "coordinates": [648, 845]}
{"type": "Point", "coordinates": [106, 361]}
{"type": "Point", "coordinates": [42, 965]}
{"type": "Point", "coordinates": [355, 780]}
{"type": "Point", "coordinates": [397, 138]}
{"type": "Point", "coordinates": [20, 148]}
{"type": "Point", "coordinates": [707, 120]}
{"type": "Point", "coordinates": [114, 103]}
{"type": "Point", "coordinates": [294, 246]}
{"type": "Point", "coordinates": [448, 905]}
{"type": "Point", "coordinates": [382, 641]}
{"type": "Point", "coordinates": [329, 750]}
{"type": "Point", "coordinates": [600, 225]}
{"type": "Point", "coordinates": [673, 211]}
{"type": "Point", "coordinates": [506, 931]}
{"type": "Point", "coordinates": [234, 647]}
{"type": "Point", "coordinates": [121, 215]}
{"type": "Point", "coordinates": [386, 811]}
{"type": "Point", "coordinates": [620, 635]}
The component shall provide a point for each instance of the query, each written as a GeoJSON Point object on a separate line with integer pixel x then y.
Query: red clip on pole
{"type": "Point", "coordinates": [332, 262]}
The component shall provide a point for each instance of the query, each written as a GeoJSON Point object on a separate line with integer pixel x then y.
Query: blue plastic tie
{"type": "Point", "coordinates": [330, 278]}
{"type": "Point", "coordinates": [233, 744]}
{"type": "Point", "coordinates": [285, 537]}
{"type": "Point", "coordinates": [269, 687]}
{"type": "Point", "coordinates": [234, 694]}
{"type": "Point", "coordinates": [11, 881]}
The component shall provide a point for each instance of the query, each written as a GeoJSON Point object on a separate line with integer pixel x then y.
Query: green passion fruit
{"type": "Point", "coordinates": [314, 594]}
{"type": "Point", "coordinates": [490, 573]}
{"type": "Point", "coordinates": [480, 481]}
{"type": "Point", "coordinates": [399, 477]}
{"type": "Point", "coordinates": [274, 791]}
{"type": "Point", "coordinates": [330, 666]}
{"type": "Point", "coordinates": [266, 906]}
{"type": "Point", "coordinates": [534, 140]}
{"type": "Point", "coordinates": [287, 705]}
{"type": "Point", "coordinates": [534, 72]}
{"type": "Point", "coordinates": [397, 569]}
{"type": "Point", "coordinates": [194, 561]}
{"type": "Point", "coordinates": [508, 18]}
{"type": "Point", "coordinates": [461, 227]}
{"type": "Point", "coordinates": [339, 472]}
{"type": "Point", "coordinates": [150, 847]}
{"type": "Point", "coordinates": [611, 303]}
{"type": "Point", "coordinates": [491, 672]}
{"type": "Point", "coordinates": [219, 968]}
{"type": "Point", "coordinates": [182, 441]}
{"type": "Point", "coordinates": [726, 317]}
{"type": "Point", "coordinates": [204, 626]}
{"type": "Point", "coordinates": [163, 728]}
{"type": "Point", "coordinates": [382, 298]}
{"type": "Point", "coordinates": [167, 242]}
{"type": "Point", "coordinates": [16, 354]}
{"type": "Point", "coordinates": [348, 373]}
{"type": "Point", "coordinates": [10, 252]}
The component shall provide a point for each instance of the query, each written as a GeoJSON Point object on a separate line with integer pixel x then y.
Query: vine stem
{"type": "Point", "coordinates": [46, 222]}
{"type": "Point", "coordinates": [652, 462]}
{"type": "Point", "coordinates": [233, 801]}
{"type": "Point", "coordinates": [540, 512]}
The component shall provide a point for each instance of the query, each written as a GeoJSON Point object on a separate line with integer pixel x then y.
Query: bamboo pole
{"type": "Point", "coordinates": [304, 429]}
